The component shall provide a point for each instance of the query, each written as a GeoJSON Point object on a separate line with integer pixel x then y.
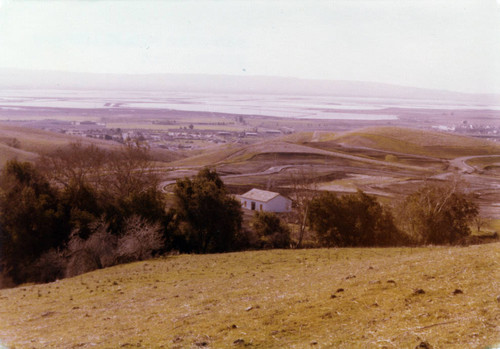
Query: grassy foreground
{"type": "Point", "coordinates": [322, 298]}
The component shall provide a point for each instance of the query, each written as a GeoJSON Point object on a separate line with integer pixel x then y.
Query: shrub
{"type": "Point", "coordinates": [209, 218]}
{"type": "Point", "coordinates": [49, 267]}
{"type": "Point", "coordinates": [95, 252]}
{"type": "Point", "coordinates": [271, 232]}
{"type": "Point", "coordinates": [391, 158]}
{"type": "Point", "coordinates": [53, 206]}
{"type": "Point", "coordinates": [140, 240]}
{"type": "Point", "coordinates": [438, 213]}
{"type": "Point", "coordinates": [103, 249]}
{"type": "Point", "coordinates": [353, 220]}
{"type": "Point", "coordinates": [31, 219]}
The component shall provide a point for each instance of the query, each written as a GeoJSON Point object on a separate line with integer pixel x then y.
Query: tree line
{"type": "Point", "coordinates": [81, 208]}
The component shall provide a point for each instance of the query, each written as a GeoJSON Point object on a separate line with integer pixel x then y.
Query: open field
{"type": "Point", "coordinates": [342, 298]}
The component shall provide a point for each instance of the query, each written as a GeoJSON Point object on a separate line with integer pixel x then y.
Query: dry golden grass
{"type": "Point", "coordinates": [300, 137]}
{"type": "Point", "coordinates": [485, 162]}
{"type": "Point", "coordinates": [9, 153]}
{"type": "Point", "coordinates": [238, 153]}
{"type": "Point", "coordinates": [325, 298]}
{"type": "Point", "coordinates": [33, 142]}
{"type": "Point", "coordinates": [209, 156]}
{"type": "Point", "coordinates": [418, 142]}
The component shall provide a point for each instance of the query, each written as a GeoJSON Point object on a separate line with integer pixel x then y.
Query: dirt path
{"type": "Point", "coordinates": [463, 166]}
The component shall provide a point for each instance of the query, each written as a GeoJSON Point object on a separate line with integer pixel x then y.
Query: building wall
{"type": "Point", "coordinates": [253, 204]}
{"type": "Point", "coordinates": [278, 204]}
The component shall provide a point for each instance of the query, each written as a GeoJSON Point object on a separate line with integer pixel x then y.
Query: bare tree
{"type": "Point", "coordinates": [480, 222]}
{"type": "Point", "coordinates": [119, 172]}
{"type": "Point", "coordinates": [129, 171]}
{"type": "Point", "coordinates": [75, 164]}
{"type": "Point", "coordinates": [304, 186]}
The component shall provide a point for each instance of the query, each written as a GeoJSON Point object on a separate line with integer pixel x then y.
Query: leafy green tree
{"type": "Point", "coordinates": [326, 218]}
{"type": "Point", "coordinates": [271, 231]}
{"type": "Point", "coordinates": [438, 213]}
{"type": "Point", "coordinates": [373, 224]}
{"type": "Point", "coordinates": [30, 216]}
{"type": "Point", "coordinates": [210, 218]}
{"type": "Point", "coordinates": [353, 220]}
{"type": "Point", "coordinates": [81, 204]}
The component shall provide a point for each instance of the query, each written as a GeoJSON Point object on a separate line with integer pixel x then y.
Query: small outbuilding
{"type": "Point", "coordinates": [263, 200]}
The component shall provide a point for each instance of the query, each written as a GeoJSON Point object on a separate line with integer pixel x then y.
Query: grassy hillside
{"type": "Point", "coordinates": [239, 153]}
{"type": "Point", "coordinates": [340, 298]}
{"type": "Point", "coordinates": [31, 142]}
{"type": "Point", "coordinates": [417, 142]}
{"type": "Point", "coordinates": [8, 153]}
{"type": "Point", "coordinates": [209, 156]}
{"type": "Point", "coordinates": [37, 141]}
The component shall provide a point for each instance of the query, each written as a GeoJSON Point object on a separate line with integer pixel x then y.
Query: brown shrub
{"type": "Point", "coordinates": [96, 252]}
{"type": "Point", "coordinates": [49, 267]}
{"type": "Point", "coordinates": [140, 240]}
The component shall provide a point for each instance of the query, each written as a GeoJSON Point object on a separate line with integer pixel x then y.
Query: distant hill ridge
{"type": "Point", "coordinates": [196, 83]}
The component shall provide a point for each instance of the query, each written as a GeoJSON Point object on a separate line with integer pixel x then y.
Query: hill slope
{"type": "Point", "coordinates": [352, 298]}
{"type": "Point", "coordinates": [37, 141]}
{"type": "Point", "coordinates": [413, 141]}
{"type": "Point", "coordinates": [32, 142]}
{"type": "Point", "coordinates": [9, 153]}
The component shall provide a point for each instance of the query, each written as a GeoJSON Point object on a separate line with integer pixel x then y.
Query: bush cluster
{"type": "Point", "coordinates": [82, 208]}
{"type": "Point", "coordinates": [99, 250]}
{"type": "Point", "coordinates": [353, 220]}
{"type": "Point", "coordinates": [51, 205]}
{"type": "Point", "coordinates": [270, 231]}
{"type": "Point", "coordinates": [436, 213]}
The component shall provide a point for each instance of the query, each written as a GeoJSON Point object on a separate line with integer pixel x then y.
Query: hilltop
{"type": "Point", "coordinates": [417, 142]}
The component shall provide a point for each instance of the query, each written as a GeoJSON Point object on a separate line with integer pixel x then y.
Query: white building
{"type": "Point", "coordinates": [263, 200]}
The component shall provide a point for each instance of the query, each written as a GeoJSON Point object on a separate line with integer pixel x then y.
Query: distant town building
{"type": "Point", "coordinates": [263, 200]}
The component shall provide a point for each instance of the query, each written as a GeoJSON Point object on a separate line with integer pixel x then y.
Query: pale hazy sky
{"type": "Point", "coordinates": [453, 44]}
